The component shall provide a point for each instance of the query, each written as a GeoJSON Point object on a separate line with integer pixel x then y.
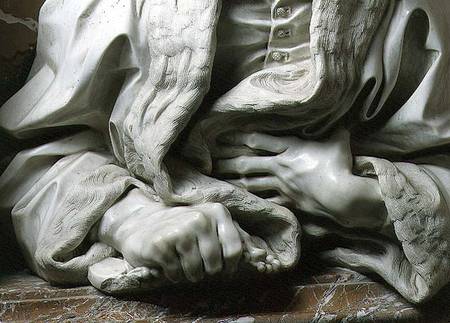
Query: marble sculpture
{"type": "Point", "coordinates": [181, 140]}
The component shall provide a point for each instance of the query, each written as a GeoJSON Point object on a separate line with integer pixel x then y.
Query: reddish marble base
{"type": "Point", "coordinates": [333, 296]}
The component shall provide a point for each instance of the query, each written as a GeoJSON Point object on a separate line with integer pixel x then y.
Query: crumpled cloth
{"type": "Point", "coordinates": [137, 73]}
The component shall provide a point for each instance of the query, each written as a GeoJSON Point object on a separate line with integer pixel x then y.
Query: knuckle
{"type": "Point", "coordinates": [252, 139]}
{"type": "Point", "coordinates": [218, 209]}
{"type": "Point", "coordinates": [200, 220]}
{"type": "Point", "coordinates": [279, 147]}
{"type": "Point", "coordinates": [174, 234]}
{"type": "Point", "coordinates": [241, 165]}
{"type": "Point", "coordinates": [244, 182]}
{"type": "Point", "coordinates": [276, 166]}
{"type": "Point", "coordinates": [213, 260]}
{"type": "Point", "coordinates": [158, 244]}
{"type": "Point", "coordinates": [149, 253]}
{"type": "Point", "coordinates": [233, 251]}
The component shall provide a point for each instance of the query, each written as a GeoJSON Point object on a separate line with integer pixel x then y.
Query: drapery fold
{"type": "Point", "coordinates": [411, 251]}
{"type": "Point", "coordinates": [306, 98]}
{"type": "Point", "coordinates": [137, 73]}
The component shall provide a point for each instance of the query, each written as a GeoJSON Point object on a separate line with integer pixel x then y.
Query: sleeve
{"type": "Point", "coordinates": [412, 251]}
{"type": "Point", "coordinates": [57, 193]}
{"type": "Point", "coordinates": [418, 263]}
{"type": "Point", "coordinates": [410, 118]}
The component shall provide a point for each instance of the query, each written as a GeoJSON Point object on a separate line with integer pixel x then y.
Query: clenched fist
{"type": "Point", "coordinates": [182, 242]}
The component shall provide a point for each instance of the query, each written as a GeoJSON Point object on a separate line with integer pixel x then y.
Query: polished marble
{"type": "Point", "coordinates": [335, 295]}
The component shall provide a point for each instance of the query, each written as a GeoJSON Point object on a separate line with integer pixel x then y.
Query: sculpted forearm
{"type": "Point", "coordinates": [356, 202]}
{"type": "Point", "coordinates": [111, 229]}
{"type": "Point", "coordinates": [183, 242]}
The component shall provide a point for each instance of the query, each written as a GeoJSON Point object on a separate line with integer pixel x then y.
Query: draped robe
{"type": "Point", "coordinates": [117, 92]}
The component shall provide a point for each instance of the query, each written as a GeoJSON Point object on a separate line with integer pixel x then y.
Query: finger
{"type": "Point", "coordinates": [364, 254]}
{"type": "Point", "coordinates": [172, 267]}
{"type": "Point", "coordinates": [190, 258]}
{"type": "Point", "coordinates": [276, 265]}
{"type": "Point", "coordinates": [232, 249]}
{"type": "Point", "coordinates": [210, 249]}
{"type": "Point", "coordinates": [167, 259]}
{"type": "Point", "coordinates": [258, 141]}
{"type": "Point", "coordinates": [281, 199]}
{"type": "Point", "coordinates": [225, 152]}
{"type": "Point", "coordinates": [253, 252]}
{"type": "Point", "coordinates": [145, 274]}
{"type": "Point", "coordinates": [228, 234]}
{"type": "Point", "coordinates": [258, 184]}
{"type": "Point", "coordinates": [231, 243]}
{"type": "Point", "coordinates": [141, 272]}
{"type": "Point", "coordinates": [245, 165]}
{"type": "Point", "coordinates": [267, 183]}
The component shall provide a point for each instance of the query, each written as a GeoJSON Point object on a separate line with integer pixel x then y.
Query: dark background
{"type": "Point", "coordinates": [17, 51]}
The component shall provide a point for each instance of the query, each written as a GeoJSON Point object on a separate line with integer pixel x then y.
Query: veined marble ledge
{"type": "Point", "coordinates": [335, 295]}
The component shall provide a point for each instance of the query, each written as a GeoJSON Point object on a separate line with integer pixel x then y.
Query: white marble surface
{"type": "Point", "coordinates": [193, 140]}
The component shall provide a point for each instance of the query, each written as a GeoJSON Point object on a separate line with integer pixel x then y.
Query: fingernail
{"type": "Point", "coordinates": [257, 253]}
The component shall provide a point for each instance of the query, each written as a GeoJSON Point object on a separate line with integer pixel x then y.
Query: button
{"type": "Point", "coordinates": [283, 33]}
{"type": "Point", "coordinates": [278, 56]}
{"type": "Point", "coordinates": [283, 12]}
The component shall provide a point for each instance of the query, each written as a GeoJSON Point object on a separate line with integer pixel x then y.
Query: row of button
{"type": "Point", "coordinates": [290, 31]}
{"type": "Point", "coordinates": [282, 12]}
{"type": "Point", "coordinates": [283, 33]}
{"type": "Point", "coordinates": [279, 56]}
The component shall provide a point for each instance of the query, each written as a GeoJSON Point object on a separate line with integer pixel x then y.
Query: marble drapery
{"type": "Point", "coordinates": [99, 72]}
{"type": "Point", "coordinates": [136, 83]}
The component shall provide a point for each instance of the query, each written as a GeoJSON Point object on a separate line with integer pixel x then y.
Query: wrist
{"type": "Point", "coordinates": [358, 200]}
{"type": "Point", "coordinates": [112, 228]}
{"type": "Point", "coordinates": [108, 227]}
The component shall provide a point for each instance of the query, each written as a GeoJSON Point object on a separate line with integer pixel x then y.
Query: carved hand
{"type": "Point", "coordinates": [311, 176]}
{"type": "Point", "coordinates": [182, 242]}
